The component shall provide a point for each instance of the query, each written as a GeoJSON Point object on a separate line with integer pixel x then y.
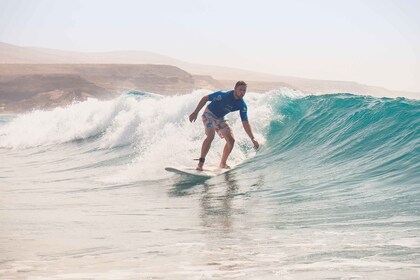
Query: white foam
{"type": "Point", "coordinates": [157, 128]}
{"type": "Point", "coordinates": [287, 92]}
{"type": "Point", "coordinates": [63, 124]}
{"type": "Point", "coordinates": [164, 135]}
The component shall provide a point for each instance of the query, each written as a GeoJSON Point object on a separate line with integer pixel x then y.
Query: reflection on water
{"type": "Point", "coordinates": [221, 198]}
{"type": "Point", "coordinates": [217, 208]}
{"type": "Point", "coordinates": [184, 184]}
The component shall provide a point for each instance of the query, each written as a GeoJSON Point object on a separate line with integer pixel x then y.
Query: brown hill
{"type": "Point", "coordinates": [263, 81]}
{"type": "Point", "coordinates": [27, 86]}
{"type": "Point", "coordinates": [44, 78]}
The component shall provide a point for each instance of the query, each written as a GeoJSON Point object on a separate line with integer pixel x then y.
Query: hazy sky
{"type": "Point", "coordinates": [374, 42]}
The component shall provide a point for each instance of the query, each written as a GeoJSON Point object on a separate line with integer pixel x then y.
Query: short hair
{"type": "Point", "coordinates": [240, 83]}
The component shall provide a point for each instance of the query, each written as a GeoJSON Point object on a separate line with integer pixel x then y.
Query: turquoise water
{"type": "Point", "coordinates": [333, 192]}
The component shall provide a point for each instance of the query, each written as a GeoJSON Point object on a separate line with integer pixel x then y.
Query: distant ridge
{"type": "Point", "coordinates": [12, 54]}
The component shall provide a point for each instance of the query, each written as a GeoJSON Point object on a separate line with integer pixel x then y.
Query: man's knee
{"type": "Point", "coordinates": [230, 140]}
{"type": "Point", "coordinates": [210, 134]}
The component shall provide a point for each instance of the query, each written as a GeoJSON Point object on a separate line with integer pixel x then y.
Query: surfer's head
{"type": "Point", "coordinates": [240, 89]}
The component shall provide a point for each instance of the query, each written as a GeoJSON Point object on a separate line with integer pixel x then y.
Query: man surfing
{"type": "Point", "coordinates": [222, 103]}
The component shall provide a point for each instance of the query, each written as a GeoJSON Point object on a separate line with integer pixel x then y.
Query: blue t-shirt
{"type": "Point", "coordinates": [224, 102]}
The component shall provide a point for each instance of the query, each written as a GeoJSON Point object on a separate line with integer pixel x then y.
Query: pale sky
{"type": "Point", "coordinates": [374, 42]}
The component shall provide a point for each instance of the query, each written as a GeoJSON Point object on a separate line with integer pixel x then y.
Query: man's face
{"type": "Point", "coordinates": [240, 91]}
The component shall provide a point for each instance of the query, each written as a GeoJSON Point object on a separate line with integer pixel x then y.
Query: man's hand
{"type": "Point", "coordinates": [193, 117]}
{"type": "Point", "coordinates": [200, 105]}
{"type": "Point", "coordinates": [256, 144]}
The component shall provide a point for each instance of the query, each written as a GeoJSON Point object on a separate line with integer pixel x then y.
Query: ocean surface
{"type": "Point", "coordinates": [332, 193]}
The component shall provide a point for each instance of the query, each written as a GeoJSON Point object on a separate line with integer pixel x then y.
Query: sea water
{"type": "Point", "coordinates": [332, 193]}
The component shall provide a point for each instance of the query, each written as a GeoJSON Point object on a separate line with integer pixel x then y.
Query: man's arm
{"type": "Point", "coordinates": [200, 105]}
{"type": "Point", "coordinates": [248, 131]}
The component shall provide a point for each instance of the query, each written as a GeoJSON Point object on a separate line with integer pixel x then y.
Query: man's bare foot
{"type": "Point", "coordinates": [224, 166]}
{"type": "Point", "coordinates": [200, 164]}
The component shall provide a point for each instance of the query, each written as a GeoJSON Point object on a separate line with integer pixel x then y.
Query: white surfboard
{"type": "Point", "coordinates": [189, 171]}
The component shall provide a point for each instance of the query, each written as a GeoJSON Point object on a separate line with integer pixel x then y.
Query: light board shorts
{"type": "Point", "coordinates": [220, 125]}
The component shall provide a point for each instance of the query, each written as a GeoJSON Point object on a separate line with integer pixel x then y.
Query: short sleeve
{"type": "Point", "coordinates": [244, 112]}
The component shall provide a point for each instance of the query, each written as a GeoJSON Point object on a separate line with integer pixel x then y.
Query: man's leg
{"type": "Point", "coordinates": [206, 146]}
{"type": "Point", "coordinates": [230, 141]}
